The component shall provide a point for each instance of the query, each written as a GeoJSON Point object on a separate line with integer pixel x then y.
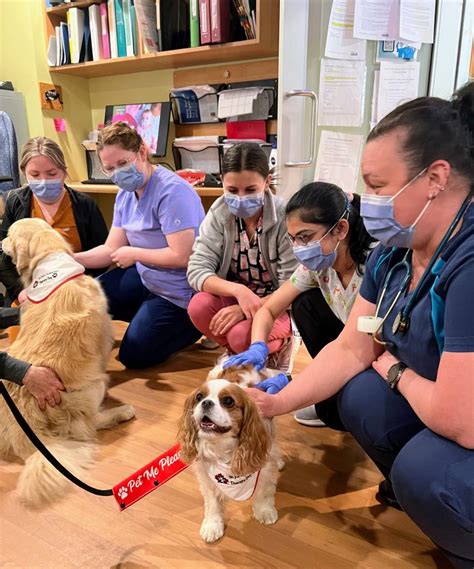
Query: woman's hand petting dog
{"type": "Point", "coordinates": [44, 385]}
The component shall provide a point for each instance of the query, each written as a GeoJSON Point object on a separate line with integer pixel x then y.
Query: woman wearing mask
{"type": "Point", "coordinates": [156, 219]}
{"type": "Point", "coordinates": [72, 214]}
{"type": "Point", "coordinates": [331, 243]}
{"type": "Point", "coordinates": [242, 255]}
{"type": "Point", "coordinates": [403, 367]}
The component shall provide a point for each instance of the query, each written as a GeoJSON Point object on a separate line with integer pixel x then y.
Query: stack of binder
{"type": "Point", "coordinates": [123, 28]}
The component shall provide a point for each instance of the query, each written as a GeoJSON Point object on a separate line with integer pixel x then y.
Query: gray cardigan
{"type": "Point", "coordinates": [212, 251]}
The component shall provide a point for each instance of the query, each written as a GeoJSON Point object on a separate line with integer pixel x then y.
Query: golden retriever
{"type": "Point", "coordinates": [70, 331]}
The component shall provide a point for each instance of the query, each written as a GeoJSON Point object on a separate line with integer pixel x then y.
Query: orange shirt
{"type": "Point", "coordinates": [63, 221]}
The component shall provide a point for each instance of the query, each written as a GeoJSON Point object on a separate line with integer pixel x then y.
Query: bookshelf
{"type": "Point", "coordinates": [265, 45]}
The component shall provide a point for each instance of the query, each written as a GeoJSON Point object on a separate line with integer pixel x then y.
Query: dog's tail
{"type": "Point", "coordinates": [41, 484]}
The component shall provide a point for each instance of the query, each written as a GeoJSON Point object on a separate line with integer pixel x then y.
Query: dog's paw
{"type": "Point", "coordinates": [212, 530]}
{"type": "Point", "coordinates": [266, 515]}
{"type": "Point", "coordinates": [126, 413]}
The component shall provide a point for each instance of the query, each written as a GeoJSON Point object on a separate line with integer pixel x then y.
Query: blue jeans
{"type": "Point", "coordinates": [433, 477]}
{"type": "Point", "coordinates": [158, 328]}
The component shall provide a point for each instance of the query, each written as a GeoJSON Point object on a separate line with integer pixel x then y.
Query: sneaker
{"type": "Point", "coordinates": [308, 417]}
{"type": "Point", "coordinates": [386, 495]}
{"type": "Point", "coordinates": [209, 344]}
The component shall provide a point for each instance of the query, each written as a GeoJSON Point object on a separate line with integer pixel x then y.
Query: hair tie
{"type": "Point", "coordinates": [349, 196]}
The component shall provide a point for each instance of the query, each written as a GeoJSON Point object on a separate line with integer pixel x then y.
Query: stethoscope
{"type": "Point", "coordinates": [374, 324]}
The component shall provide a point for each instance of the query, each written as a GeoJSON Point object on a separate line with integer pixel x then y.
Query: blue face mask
{"type": "Point", "coordinates": [47, 191]}
{"type": "Point", "coordinates": [379, 220]}
{"type": "Point", "coordinates": [312, 257]}
{"type": "Point", "coordinates": [246, 206]}
{"type": "Point", "coordinates": [129, 179]}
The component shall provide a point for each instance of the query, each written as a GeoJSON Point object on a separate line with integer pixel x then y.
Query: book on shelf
{"type": "Point", "coordinates": [205, 21]}
{"type": "Point", "coordinates": [120, 25]}
{"type": "Point", "coordinates": [112, 29]}
{"type": "Point", "coordinates": [96, 32]}
{"type": "Point", "coordinates": [104, 26]}
{"type": "Point", "coordinates": [127, 19]}
{"type": "Point", "coordinates": [220, 21]}
{"type": "Point", "coordinates": [146, 14]}
{"type": "Point", "coordinates": [174, 24]}
{"type": "Point", "coordinates": [194, 22]}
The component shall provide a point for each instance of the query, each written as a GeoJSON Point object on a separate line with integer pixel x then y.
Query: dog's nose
{"type": "Point", "coordinates": [207, 404]}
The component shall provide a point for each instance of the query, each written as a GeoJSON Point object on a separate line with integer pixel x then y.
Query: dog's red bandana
{"type": "Point", "coordinates": [237, 488]}
{"type": "Point", "coordinates": [50, 273]}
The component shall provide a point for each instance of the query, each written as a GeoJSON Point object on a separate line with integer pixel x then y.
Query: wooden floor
{"type": "Point", "coordinates": [329, 518]}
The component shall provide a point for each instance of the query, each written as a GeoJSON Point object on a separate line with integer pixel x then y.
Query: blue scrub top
{"type": "Point", "coordinates": [443, 316]}
{"type": "Point", "coordinates": [168, 205]}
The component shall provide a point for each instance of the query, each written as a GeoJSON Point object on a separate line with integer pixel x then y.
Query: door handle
{"type": "Point", "coordinates": [312, 143]}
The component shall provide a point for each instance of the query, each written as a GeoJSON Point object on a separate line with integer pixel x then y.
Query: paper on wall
{"type": "Point", "coordinates": [341, 93]}
{"type": "Point", "coordinates": [377, 19]}
{"type": "Point", "coordinates": [417, 20]}
{"type": "Point", "coordinates": [338, 159]}
{"type": "Point", "coordinates": [340, 41]}
{"type": "Point", "coordinates": [398, 83]}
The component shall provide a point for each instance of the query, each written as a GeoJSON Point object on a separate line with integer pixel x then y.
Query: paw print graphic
{"type": "Point", "coordinates": [221, 479]}
{"type": "Point", "coordinates": [122, 493]}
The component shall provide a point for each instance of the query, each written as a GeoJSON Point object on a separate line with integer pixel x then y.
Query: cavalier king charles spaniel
{"type": "Point", "coordinates": [231, 446]}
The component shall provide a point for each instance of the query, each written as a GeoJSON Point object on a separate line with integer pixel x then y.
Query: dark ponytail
{"type": "Point", "coordinates": [435, 129]}
{"type": "Point", "coordinates": [325, 204]}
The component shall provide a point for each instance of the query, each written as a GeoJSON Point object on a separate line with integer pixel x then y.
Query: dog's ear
{"type": "Point", "coordinates": [47, 241]}
{"type": "Point", "coordinates": [255, 442]}
{"type": "Point", "coordinates": [17, 250]}
{"type": "Point", "coordinates": [187, 430]}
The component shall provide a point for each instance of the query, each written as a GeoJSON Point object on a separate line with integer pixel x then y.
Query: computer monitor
{"type": "Point", "coordinates": [150, 120]}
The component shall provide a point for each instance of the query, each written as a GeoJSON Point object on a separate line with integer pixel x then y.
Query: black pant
{"type": "Point", "coordinates": [318, 326]}
{"type": "Point", "coordinates": [9, 317]}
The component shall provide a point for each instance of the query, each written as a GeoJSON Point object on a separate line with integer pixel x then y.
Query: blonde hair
{"type": "Point", "coordinates": [42, 146]}
{"type": "Point", "coordinates": [122, 134]}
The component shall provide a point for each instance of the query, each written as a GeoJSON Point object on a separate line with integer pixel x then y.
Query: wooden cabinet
{"type": "Point", "coordinates": [265, 45]}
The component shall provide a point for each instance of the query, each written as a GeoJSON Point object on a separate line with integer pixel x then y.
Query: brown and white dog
{"type": "Point", "coordinates": [232, 447]}
{"type": "Point", "coordinates": [68, 329]}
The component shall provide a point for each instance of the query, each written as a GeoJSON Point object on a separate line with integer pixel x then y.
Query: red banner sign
{"type": "Point", "coordinates": [148, 478]}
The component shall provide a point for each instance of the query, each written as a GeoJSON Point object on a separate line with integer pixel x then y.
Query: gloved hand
{"type": "Point", "coordinates": [273, 384]}
{"type": "Point", "coordinates": [255, 355]}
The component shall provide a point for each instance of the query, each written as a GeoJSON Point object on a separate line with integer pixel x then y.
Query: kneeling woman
{"type": "Point", "coordinates": [242, 254]}
{"type": "Point", "coordinates": [72, 214]}
{"type": "Point", "coordinates": [156, 219]}
{"type": "Point", "coordinates": [331, 243]}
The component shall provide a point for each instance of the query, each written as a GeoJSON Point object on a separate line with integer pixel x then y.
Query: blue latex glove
{"type": "Point", "coordinates": [255, 355]}
{"type": "Point", "coordinates": [273, 384]}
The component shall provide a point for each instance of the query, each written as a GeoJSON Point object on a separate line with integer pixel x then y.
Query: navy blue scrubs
{"type": "Point", "coordinates": [433, 477]}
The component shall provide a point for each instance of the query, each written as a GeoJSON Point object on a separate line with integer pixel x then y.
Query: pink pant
{"type": "Point", "coordinates": [204, 306]}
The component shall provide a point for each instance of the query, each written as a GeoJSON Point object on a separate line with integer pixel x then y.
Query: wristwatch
{"type": "Point", "coordinates": [394, 374]}
{"type": "Point", "coordinates": [288, 377]}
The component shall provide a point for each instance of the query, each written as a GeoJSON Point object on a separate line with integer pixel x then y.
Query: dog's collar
{"type": "Point", "coordinates": [50, 273]}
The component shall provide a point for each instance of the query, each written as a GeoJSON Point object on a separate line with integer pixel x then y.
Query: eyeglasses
{"type": "Point", "coordinates": [110, 170]}
{"type": "Point", "coordinates": [302, 240]}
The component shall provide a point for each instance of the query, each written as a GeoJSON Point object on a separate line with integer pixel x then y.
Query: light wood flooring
{"type": "Point", "coordinates": [329, 518]}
